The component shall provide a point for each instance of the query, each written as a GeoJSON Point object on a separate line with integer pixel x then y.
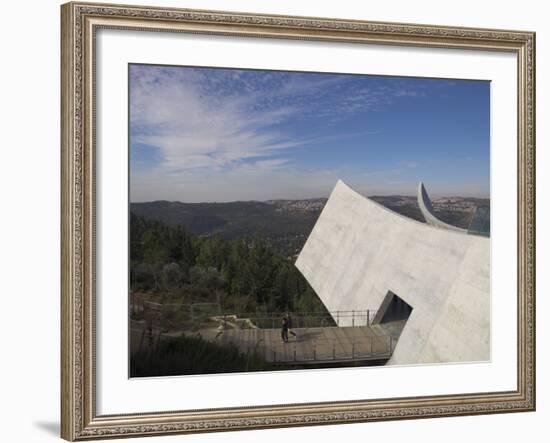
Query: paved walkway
{"type": "Point", "coordinates": [313, 345]}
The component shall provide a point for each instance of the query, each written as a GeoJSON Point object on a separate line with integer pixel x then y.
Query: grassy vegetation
{"type": "Point", "coordinates": [192, 355]}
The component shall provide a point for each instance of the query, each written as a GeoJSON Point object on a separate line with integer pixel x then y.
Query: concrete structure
{"type": "Point", "coordinates": [361, 255]}
{"type": "Point", "coordinates": [427, 210]}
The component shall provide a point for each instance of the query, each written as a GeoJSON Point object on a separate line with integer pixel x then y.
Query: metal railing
{"type": "Point", "coordinates": [210, 315]}
{"type": "Point", "coordinates": [273, 320]}
{"type": "Point", "coordinates": [327, 351]}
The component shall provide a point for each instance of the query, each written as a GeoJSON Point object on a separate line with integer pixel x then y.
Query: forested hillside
{"type": "Point", "coordinates": [282, 224]}
{"type": "Point", "coordinates": [242, 275]}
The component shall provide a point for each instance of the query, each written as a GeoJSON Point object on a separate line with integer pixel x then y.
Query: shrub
{"type": "Point", "coordinates": [186, 355]}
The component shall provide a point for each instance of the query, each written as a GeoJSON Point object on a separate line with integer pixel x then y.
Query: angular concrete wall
{"type": "Point", "coordinates": [359, 250]}
{"type": "Point", "coordinates": [427, 211]}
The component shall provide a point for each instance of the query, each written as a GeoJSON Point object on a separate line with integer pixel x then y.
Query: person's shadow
{"type": "Point", "coordinates": [50, 427]}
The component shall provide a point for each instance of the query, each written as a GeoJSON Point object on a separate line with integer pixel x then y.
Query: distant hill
{"type": "Point", "coordinates": [457, 211]}
{"type": "Point", "coordinates": [285, 224]}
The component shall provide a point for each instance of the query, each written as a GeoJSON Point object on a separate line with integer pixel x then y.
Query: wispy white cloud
{"type": "Point", "coordinates": [169, 112]}
{"type": "Point", "coordinates": [227, 133]}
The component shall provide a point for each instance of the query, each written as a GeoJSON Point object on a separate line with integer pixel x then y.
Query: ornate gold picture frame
{"type": "Point", "coordinates": [80, 23]}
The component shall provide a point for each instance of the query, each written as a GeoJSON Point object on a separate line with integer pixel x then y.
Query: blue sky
{"type": "Point", "coordinates": [211, 134]}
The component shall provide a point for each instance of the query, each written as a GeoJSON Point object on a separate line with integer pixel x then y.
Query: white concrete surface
{"type": "Point", "coordinates": [360, 250]}
{"type": "Point", "coordinates": [427, 210]}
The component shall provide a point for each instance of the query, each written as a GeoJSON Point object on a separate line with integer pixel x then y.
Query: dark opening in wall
{"type": "Point", "coordinates": [393, 308]}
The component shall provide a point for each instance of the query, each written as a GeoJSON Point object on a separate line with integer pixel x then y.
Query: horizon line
{"type": "Point", "coordinates": [304, 199]}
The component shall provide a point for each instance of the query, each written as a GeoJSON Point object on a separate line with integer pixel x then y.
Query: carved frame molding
{"type": "Point", "coordinates": [79, 24]}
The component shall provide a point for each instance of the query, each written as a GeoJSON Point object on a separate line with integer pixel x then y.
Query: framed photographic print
{"type": "Point", "coordinates": [282, 221]}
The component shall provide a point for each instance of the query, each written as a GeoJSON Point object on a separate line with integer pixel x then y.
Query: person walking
{"type": "Point", "coordinates": [284, 329]}
{"type": "Point", "coordinates": [289, 318]}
